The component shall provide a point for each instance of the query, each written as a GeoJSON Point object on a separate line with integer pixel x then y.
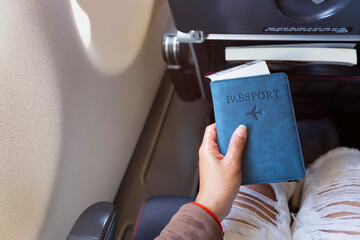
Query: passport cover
{"type": "Point", "coordinates": [263, 104]}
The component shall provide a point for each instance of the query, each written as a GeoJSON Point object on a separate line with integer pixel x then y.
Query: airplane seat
{"type": "Point", "coordinates": [155, 214]}
{"type": "Point", "coordinates": [211, 30]}
{"type": "Point", "coordinates": [207, 27]}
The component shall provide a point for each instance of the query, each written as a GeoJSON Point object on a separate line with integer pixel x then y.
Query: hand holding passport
{"type": "Point", "coordinates": [220, 176]}
{"type": "Point", "coordinates": [250, 95]}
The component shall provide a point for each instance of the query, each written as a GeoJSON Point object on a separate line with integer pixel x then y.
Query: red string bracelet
{"type": "Point", "coordinates": [211, 213]}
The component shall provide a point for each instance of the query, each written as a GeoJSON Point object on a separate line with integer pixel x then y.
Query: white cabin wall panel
{"type": "Point", "coordinates": [68, 129]}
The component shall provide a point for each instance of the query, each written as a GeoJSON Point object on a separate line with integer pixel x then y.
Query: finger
{"type": "Point", "coordinates": [209, 140]}
{"type": "Point", "coordinates": [210, 133]}
{"type": "Point", "coordinates": [237, 144]}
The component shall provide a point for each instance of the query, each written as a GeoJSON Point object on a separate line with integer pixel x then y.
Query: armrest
{"type": "Point", "coordinates": [97, 223]}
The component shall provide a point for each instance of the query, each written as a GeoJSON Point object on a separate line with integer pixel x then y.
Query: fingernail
{"type": "Point", "coordinates": [241, 131]}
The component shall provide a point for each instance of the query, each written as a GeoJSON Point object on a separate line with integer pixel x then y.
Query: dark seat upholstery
{"type": "Point", "coordinates": [155, 214]}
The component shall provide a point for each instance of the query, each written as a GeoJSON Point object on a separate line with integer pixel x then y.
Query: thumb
{"type": "Point", "coordinates": [237, 144]}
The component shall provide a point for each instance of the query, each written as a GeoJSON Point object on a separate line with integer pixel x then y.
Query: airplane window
{"type": "Point", "coordinates": [112, 32]}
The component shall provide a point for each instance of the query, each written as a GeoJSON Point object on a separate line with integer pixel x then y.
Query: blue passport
{"type": "Point", "coordinates": [262, 103]}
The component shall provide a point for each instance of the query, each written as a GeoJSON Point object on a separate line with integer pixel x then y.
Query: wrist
{"type": "Point", "coordinates": [211, 213]}
{"type": "Point", "coordinates": [212, 206]}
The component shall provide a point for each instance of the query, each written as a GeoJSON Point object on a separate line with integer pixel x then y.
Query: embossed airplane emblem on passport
{"type": "Point", "coordinates": [254, 112]}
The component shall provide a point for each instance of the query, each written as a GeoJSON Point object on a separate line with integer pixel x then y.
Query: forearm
{"type": "Point", "coordinates": [191, 222]}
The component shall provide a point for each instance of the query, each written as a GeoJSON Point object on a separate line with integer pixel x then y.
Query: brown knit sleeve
{"type": "Point", "coordinates": [191, 222]}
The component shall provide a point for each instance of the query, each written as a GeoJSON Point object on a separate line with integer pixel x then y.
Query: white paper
{"type": "Point", "coordinates": [254, 68]}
